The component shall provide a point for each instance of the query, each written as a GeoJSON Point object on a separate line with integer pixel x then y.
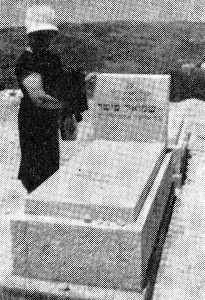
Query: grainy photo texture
{"type": "Point", "coordinates": [102, 149]}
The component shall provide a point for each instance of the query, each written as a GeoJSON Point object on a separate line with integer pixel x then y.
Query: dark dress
{"type": "Point", "coordinates": [38, 127]}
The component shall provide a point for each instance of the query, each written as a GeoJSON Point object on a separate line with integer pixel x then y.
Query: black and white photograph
{"type": "Point", "coordinates": [102, 150]}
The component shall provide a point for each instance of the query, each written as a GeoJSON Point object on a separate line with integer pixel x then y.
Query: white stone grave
{"type": "Point", "coordinates": [113, 181]}
{"type": "Point", "coordinates": [110, 177]}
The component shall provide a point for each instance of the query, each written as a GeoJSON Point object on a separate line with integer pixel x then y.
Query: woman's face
{"type": "Point", "coordinates": [40, 40]}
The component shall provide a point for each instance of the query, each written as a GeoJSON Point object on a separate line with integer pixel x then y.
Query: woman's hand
{"type": "Point", "coordinates": [49, 102]}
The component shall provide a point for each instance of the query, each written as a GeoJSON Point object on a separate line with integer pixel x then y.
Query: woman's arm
{"type": "Point", "coordinates": [34, 86]}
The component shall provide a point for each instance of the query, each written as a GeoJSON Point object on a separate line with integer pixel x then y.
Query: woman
{"type": "Point", "coordinates": [37, 71]}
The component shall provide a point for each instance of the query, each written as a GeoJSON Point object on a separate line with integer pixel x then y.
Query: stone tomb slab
{"type": "Point", "coordinates": [131, 107]}
{"type": "Point", "coordinates": [106, 181]}
{"type": "Point", "coordinates": [124, 107]}
{"type": "Point", "coordinates": [102, 254]}
{"type": "Point", "coordinates": [110, 176]}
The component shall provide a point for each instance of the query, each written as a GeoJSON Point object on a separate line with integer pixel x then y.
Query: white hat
{"type": "Point", "coordinates": [40, 17]}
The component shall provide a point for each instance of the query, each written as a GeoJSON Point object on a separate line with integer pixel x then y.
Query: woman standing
{"type": "Point", "coordinates": [37, 71]}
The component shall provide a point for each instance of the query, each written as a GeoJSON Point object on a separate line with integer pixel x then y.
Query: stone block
{"type": "Point", "coordinates": [132, 107]}
{"type": "Point", "coordinates": [152, 212]}
{"type": "Point", "coordinates": [72, 251]}
{"type": "Point", "coordinates": [107, 181]}
{"type": "Point", "coordinates": [103, 254]}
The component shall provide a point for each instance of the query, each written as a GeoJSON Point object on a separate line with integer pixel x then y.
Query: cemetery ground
{"type": "Point", "coordinates": [178, 271]}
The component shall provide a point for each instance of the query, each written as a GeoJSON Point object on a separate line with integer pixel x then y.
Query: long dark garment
{"type": "Point", "coordinates": [38, 127]}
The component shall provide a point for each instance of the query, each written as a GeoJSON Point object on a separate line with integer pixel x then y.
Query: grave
{"type": "Point", "coordinates": [95, 221]}
{"type": "Point", "coordinates": [110, 178]}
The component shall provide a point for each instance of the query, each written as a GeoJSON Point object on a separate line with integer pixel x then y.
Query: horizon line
{"type": "Point", "coordinates": [62, 22]}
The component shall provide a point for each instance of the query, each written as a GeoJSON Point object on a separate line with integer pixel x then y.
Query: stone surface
{"type": "Point", "coordinates": [180, 150]}
{"type": "Point", "coordinates": [153, 210]}
{"type": "Point", "coordinates": [107, 180]}
{"type": "Point", "coordinates": [131, 107]}
{"type": "Point", "coordinates": [103, 254]}
{"type": "Point", "coordinates": [20, 288]}
{"type": "Point", "coordinates": [96, 255]}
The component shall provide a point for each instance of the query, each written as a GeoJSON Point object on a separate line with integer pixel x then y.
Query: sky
{"type": "Point", "coordinates": [12, 12]}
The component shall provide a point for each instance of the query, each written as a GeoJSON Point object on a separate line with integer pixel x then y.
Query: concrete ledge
{"type": "Point", "coordinates": [180, 154]}
{"type": "Point", "coordinates": [19, 288]}
{"type": "Point", "coordinates": [174, 131]}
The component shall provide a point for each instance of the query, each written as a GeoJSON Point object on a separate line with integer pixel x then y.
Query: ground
{"type": "Point", "coordinates": [181, 271]}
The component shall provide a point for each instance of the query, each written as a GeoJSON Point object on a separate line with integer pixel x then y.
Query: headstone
{"type": "Point", "coordinates": [132, 107]}
{"type": "Point", "coordinates": [124, 108]}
